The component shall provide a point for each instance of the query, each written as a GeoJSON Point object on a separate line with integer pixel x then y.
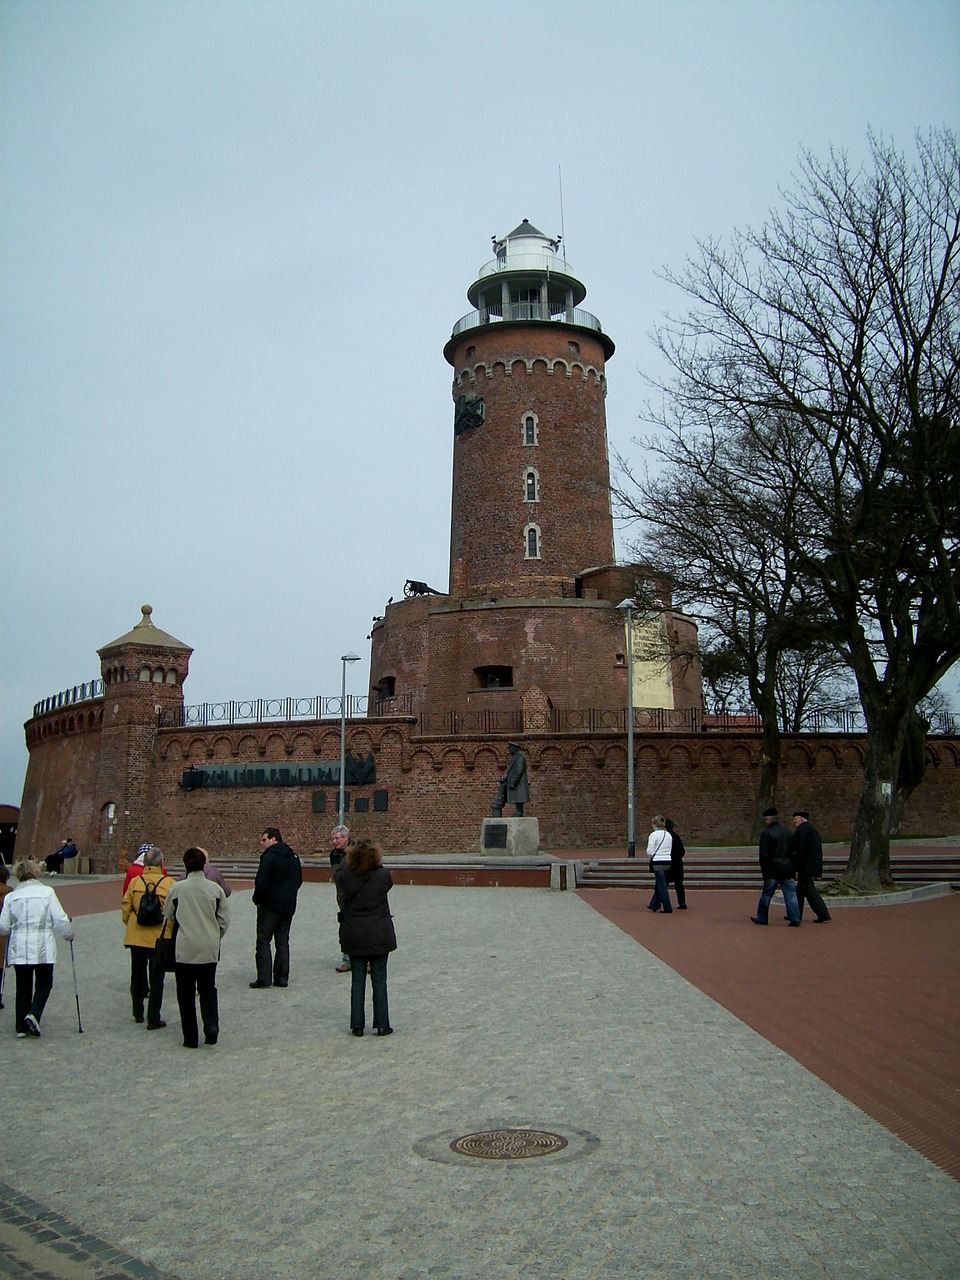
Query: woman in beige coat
{"type": "Point", "coordinates": [146, 981]}
{"type": "Point", "coordinates": [202, 913]}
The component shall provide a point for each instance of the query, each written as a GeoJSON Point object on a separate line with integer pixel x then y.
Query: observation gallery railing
{"type": "Point", "coordinates": [527, 311]}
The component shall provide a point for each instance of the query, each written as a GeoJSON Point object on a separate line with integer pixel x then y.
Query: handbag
{"type": "Point", "coordinates": [165, 950]}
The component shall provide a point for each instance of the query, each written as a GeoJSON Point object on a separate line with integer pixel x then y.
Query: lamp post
{"type": "Point", "coordinates": [628, 607]}
{"type": "Point", "coordinates": [347, 657]}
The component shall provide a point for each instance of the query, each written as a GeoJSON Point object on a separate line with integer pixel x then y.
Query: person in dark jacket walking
{"type": "Point", "coordinates": [275, 890]}
{"type": "Point", "coordinates": [776, 869]}
{"type": "Point", "coordinates": [675, 874]}
{"type": "Point", "coordinates": [806, 854]}
{"type": "Point", "coordinates": [366, 930]}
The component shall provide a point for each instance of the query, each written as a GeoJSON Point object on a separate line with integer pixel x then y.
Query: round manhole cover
{"type": "Point", "coordinates": [508, 1144]}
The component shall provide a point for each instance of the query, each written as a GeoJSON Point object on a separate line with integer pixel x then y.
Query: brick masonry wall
{"type": "Point", "coordinates": [60, 787]}
{"type": "Point", "coordinates": [567, 648]}
{"type": "Point", "coordinates": [441, 788]}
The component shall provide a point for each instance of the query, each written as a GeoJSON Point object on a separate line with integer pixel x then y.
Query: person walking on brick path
{"type": "Point", "coordinates": [776, 869]}
{"type": "Point", "coordinates": [806, 853]}
{"type": "Point", "coordinates": [31, 916]}
{"type": "Point", "coordinates": [659, 844]}
{"type": "Point", "coordinates": [675, 874]}
{"type": "Point", "coordinates": [5, 888]}
{"type": "Point", "coordinates": [275, 890]}
{"type": "Point", "coordinates": [200, 908]}
{"type": "Point", "coordinates": [339, 838]}
{"type": "Point", "coordinates": [367, 934]}
{"type": "Point", "coordinates": [140, 938]}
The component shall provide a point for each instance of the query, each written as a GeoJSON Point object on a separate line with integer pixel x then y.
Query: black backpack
{"type": "Point", "coordinates": [150, 909]}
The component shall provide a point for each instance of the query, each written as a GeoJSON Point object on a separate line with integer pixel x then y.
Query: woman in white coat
{"type": "Point", "coordinates": [30, 918]}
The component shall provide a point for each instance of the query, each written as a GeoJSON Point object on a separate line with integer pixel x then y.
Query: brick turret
{"type": "Point", "coordinates": [143, 673]}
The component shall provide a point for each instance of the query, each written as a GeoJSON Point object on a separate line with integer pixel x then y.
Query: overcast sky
{"type": "Point", "coordinates": [237, 233]}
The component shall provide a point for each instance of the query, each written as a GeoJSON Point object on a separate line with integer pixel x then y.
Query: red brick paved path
{"type": "Point", "coordinates": [870, 1002]}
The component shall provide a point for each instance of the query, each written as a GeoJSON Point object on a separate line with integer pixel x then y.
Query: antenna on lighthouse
{"type": "Point", "coordinates": [562, 240]}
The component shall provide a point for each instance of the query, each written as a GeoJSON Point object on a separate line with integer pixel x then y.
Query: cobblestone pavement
{"type": "Point", "coordinates": [695, 1148]}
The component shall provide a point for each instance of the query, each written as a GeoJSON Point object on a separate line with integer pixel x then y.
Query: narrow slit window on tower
{"type": "Point", "coordinates": [531, 487]}
{"type": "Point", "coordinates": [532, 540]}
{"type": "Point", "coordinates": [530, 428]}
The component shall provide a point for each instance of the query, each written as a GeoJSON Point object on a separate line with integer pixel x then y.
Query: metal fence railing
{"type": "Point", "coordinates": [68, 697]}
{"type": "Point", "coordinates": [264, 710]}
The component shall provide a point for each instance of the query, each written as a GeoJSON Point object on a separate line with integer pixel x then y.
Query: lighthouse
{"type": "Point", "coordinates": [528, 634]}
{"type": "Point", "coordinates": [531, 485]}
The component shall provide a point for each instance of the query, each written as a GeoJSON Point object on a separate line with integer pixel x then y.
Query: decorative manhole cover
{"type": "Point", "coordinates": [508, 1144]}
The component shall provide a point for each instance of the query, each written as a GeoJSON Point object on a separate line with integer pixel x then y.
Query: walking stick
{"type": "Point", "coordinates": [3, 969]}
{"type": "Point", "coordinates": [76, 989]}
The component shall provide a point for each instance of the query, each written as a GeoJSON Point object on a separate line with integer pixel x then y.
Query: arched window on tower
{"type": "Point", "coordinates": [530, 426]}
{"type": "Point", "coordinates": [532, 540]}
{"type": "Point", "coordinates": [108, 818]}
{"type": "Point", "coordinates": [531, 486]}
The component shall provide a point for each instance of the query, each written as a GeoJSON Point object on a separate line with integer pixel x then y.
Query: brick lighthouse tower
{"type": "Point", "coordinates": [531, 486]}
{"type": "Point", "coordinates": [529, 635]}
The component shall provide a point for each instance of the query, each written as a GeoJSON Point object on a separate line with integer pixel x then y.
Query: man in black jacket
{"type": "Point", "coordinates": [776, 869]}
{"type": "Point", "coordinates": [275, 890]}
{"type": "Point", "coordinates": [806, 853]}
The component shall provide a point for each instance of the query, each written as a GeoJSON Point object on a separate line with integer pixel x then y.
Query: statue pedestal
{"type": "Point", "coordinates": [515, 837]}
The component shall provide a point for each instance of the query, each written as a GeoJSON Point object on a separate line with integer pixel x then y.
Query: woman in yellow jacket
{"type": "Point", "coordinates": [146, 982]}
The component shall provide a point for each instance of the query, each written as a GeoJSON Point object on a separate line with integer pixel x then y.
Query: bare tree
{"type": "Point", "coordinates": [816, 385]}
{"type": "Point", "coordinates": [701, 528]}
{"type": "Point", "coordinates": [814, 688]}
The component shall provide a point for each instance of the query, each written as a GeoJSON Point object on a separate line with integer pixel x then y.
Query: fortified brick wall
{"type": "Point", "coordinates": [59, 791]}
{"type": "Point", "coordinates": [439, 789]}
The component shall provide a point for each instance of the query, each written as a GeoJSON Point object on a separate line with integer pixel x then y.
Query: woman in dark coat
{"type": "Point", "coordinates": [366, 930]}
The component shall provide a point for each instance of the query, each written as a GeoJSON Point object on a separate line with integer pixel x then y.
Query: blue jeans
{"type": "Point", "coordinates": [358, 991]}
{"type": "Point", "coordinates": [770, 887]}
{"type": "Point", "coordinates": [660, 895]}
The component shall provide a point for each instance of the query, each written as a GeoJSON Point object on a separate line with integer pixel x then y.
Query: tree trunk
{"type": "Point", "coordinates": [769, 773]}
{"type": "Point", "coordinates": [868, 867]}
{"type": "Point", "coordinates": [912, 767]}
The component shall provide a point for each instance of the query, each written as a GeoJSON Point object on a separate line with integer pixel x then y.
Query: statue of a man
{"type": "Point", "coordinates": [513, 788]}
